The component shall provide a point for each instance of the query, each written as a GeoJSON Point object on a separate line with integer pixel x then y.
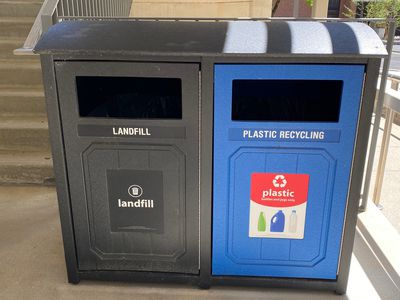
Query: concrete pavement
{"type": "Point", "coordinates": [32, 263]}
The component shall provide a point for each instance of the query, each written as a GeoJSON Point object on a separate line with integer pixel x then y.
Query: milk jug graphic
{"type": "Point", "coordinates": [293, 222]}
{"type": "Point", "coordinates": [262, 224]}
{"type": "Point", "coordinates": [278, 222]}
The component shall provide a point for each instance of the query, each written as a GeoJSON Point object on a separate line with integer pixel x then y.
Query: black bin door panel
{"type": "Point", "coordinates": [134, 198]}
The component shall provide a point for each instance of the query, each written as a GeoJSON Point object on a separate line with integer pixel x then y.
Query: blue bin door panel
{"type": "Point", "coordinates": [327, 164]}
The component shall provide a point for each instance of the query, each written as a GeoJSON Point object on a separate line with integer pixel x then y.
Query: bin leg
{"type": "Point", "coordinates": [204, 285]}
{"type": "Point", "coordinates": [73, 278]}
{"type": "Point", "coordinates": [341, 289]}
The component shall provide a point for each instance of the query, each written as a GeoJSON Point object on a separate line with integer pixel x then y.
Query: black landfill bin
{"type": "Point", "coordinates": [168, 138]}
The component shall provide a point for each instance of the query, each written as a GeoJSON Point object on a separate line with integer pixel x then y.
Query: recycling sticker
{"type": "Point", "coordinates": [278, 203]}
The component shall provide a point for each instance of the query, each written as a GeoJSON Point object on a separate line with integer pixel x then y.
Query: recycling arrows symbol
{"type": "Point", "coordinates": [279, 181]}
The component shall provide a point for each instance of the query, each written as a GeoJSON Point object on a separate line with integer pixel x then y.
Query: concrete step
{"type": "Point", "coordinates": [15, 26]}
{"type": "Point", "coordinates": [19, 72]}
{"type": "Point", "coordinates": [24, 134]}
{"type": "Point", "coordinates": [19, 8]}
{"type": "Point", "coordinates": [22, 101]}
{"type": "Point", "coordinates": [7, 46]}
{"type": "Point", "coordinates": [26, 168]}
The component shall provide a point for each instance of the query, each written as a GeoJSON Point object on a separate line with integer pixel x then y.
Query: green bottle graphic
{"type": "Point", "coordinates": [262, 224]}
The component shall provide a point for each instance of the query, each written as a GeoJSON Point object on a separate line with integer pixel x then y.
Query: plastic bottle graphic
{"type": "Point", "coordinates": [262, 224]}
{"type": "Point", "coordinates": [278, 222]}
{"type": "Point", "coordinates": [293, 222]}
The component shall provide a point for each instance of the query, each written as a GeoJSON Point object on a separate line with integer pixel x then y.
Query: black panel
{"type": "Point", "coordinates": [135, 202]}
{"type": "Point", "coordinates": [286, 100]}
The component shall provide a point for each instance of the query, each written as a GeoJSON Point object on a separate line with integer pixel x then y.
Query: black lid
{"type": "Point", "coordinates": [211, 38]}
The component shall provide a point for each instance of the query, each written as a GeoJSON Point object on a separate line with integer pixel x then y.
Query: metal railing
{"type": "Point", "coordinates": [392, 106]}
{"type": "Point", "coordinates": [53, 11]}
{"type": "Point", "coordinates": [379, 103]}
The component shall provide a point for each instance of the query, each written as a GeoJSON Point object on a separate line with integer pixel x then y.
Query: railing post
{"type": "Point", "coordinates": [296, 8]}
{"type": "Point", "coordinates": [378, 113]}
{"type": "Point", "coordinates": [383, 156]}
{"type": "Point", "coordinates": [261, 8]}
{"type": "Point", "coordinates": [320, 9]}
{"type": "Point", "coordinates": [47, 22]}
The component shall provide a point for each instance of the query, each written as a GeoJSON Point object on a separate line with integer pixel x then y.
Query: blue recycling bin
{"type": "Point", "coordinates": [284, 139]}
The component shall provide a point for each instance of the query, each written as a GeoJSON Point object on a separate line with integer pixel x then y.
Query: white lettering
{"type": "Point", "coordinates": [259, 134]}
{"type": "Point", "coordinates": [130, 131]}
{"type": "Point", "coordinates": [283, 134]}
{"type": "Point", "coordinates": [140, 203]}
{"type": "Point", "coordinates": [302, 135]}
{"type": "Point", "coordinates": [274, 193]}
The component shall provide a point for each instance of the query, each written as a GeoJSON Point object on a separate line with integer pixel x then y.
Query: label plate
{"type": "Point", "coordinates": [278, 203]}
{"type": "Point", "coordinates": [135, 200]}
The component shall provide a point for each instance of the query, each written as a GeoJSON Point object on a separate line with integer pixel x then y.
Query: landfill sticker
{"type": "Point", "coordinates": [135, 200]}
{"type": "Point", "coordinates": [278, 203]}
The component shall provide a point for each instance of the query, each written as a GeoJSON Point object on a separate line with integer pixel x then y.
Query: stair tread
{"type": "Point", "coordinates": [17, 20]}
{"type": "Point", "coordinates": [17, 163]}
{"type": "Point", "coordinates": [22, 87]}
{"type": "Point", "coordinates": [25, 20]}
{"type": "Point", "coordinates": [23, 122]}
{"type": "Point", "coordinates": [21, 91]}
{"type": "Point", "coordinates": [8, 44]}
{"type": "Point", "coordinates": [18, 92]}
{"type": "Point", "coordinates": [42, 159]}
{"type": "Point", "coordinates": [16, 2]}
{"type": "Point", "coordinates": [19, 63]}
{"type": "Point", "coordinates": [12, 40]}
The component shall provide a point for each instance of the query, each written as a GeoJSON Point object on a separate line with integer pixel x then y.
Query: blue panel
{"type": "Point", "coordinates": [327, 161]}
